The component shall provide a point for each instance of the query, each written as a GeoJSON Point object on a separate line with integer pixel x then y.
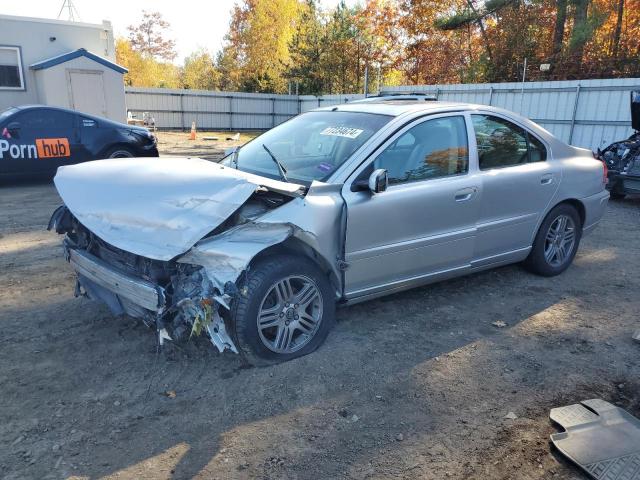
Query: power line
{"type": "Point", "coordinates": [72, 12]}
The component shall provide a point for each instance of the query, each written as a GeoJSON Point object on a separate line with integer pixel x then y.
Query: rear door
{"type": "Point", "coordinates": [518, 182]}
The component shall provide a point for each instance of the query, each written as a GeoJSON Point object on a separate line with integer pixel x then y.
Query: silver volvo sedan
{"type": "Point", "coordinates": [336, 206]}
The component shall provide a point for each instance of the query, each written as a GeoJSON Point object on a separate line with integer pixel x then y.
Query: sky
{"type": "Point", "coordinates": [193, 24]}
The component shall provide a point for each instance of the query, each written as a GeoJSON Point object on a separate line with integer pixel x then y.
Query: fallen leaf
{"type": "Point", "coordinates": [170, 393]}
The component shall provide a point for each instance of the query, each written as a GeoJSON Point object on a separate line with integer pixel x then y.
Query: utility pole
{"type": "Point", "coordinates": [72, 12]}
{"type": "Point", "coordinates": [366, 80]}
{"type": "Point", "coordinates": [524, 77]}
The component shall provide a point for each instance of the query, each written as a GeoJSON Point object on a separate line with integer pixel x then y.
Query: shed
{"type": "Point", "coordinates": [72, 65]}
{"type": "Point", "coordinates": [82, 81]}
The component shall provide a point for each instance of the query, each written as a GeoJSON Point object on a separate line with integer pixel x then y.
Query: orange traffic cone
{"type": "Point", "coordinates": [193, 131]}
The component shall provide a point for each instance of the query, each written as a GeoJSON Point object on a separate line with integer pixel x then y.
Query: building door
{"type": "Point", "coordinates": [86, 92]}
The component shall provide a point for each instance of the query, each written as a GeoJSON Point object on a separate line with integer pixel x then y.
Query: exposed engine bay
{"type": "Point", "coordinates": [623, 158]}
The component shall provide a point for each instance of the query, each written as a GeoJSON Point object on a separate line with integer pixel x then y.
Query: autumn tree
{"type": "Point", "coordinates": [378, 24]}
{"type": "Point", "coordinates": [199, 71]}
{"type": "Point", "coordinates": [256, 48]}
{"type": "Point", "coordinates": [274, 44]}
{"type": "Point", "coordinates": [149, 37]}
{"type": "Point", "coordinates": [145, 71]}
{"type": "Point", "coordinates": [307, 51]}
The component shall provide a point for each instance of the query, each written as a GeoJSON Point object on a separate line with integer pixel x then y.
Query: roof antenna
{"type": "Point", "coordinates": [72, 12]}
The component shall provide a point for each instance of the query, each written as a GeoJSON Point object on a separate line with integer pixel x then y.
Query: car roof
{"type": "Point", "coordinates": [390, 97]}
{"type": "Point", "coordinates": [38, 106]}
{"type": "Point", "coordinates": [420, 107]}
{"type": "Point", "coordinates": [104, 121]}
{"type": "Point", "coordinates": [399, 107]}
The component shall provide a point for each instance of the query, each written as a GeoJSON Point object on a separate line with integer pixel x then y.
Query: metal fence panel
{"type": "Point", "coordinates": [176, 109]}
{"type": "Point", "coordinates": [586, 113]}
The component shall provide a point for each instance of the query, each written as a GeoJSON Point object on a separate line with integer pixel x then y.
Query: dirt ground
{"type": "Point", "coordinates": [178, 143]}
{"type": "Point", "coordinates": [413, 386]}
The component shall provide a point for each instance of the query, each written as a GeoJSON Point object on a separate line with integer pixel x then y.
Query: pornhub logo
{"type": "Point", "coordinates": [44, 148]}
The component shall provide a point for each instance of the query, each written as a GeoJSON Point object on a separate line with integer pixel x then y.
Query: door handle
{"type": "Point", "coordinates": [546, 179]}
{"type": "Point", "coordinates": [465, 194]}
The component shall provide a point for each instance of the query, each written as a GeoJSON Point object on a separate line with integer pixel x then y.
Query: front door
{"type": "Point", "coordinates": [517, 185]}
{"type": "Point", "coordinates": [424, 223]}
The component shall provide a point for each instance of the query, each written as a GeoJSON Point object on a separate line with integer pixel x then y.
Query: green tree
{"type": "Point", "coordinates": [306, 51]}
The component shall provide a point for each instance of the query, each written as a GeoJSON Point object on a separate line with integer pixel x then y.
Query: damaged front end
{"type": "Point", "coordinates": [623, 158]}
{"type": "Point", "coordinates": [136, 258]}
{"type": "Point", "coordinates": [177, 299]}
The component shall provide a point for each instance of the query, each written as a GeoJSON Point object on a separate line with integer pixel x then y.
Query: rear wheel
{"type": "Point", "coordinates": [556, 242]}
{"type": "Point", "coordinates": [617, 195]}
{"type": "Point", "coordinates": [286, 310]}
{"type": "Point", "coordinates": [120, 152]}
{"type": "Point", "coordinates": [616, 190]}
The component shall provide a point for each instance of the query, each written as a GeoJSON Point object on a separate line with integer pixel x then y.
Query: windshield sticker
{"type": "Point", "coordinates": [325, 167]}
{"type": "Point", "coordinates": [342, 132]}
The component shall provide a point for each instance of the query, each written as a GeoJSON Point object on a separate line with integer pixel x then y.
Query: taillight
{"type": "Point", "coordinates": [605, 169]}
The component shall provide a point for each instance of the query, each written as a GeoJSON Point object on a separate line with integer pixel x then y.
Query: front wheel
{"type": "Point", "coordinates": [285, 309]}
{"type": "Point", "coordinates": [556, 242]}
{"type": "Point", "coordinates": [120, 152]}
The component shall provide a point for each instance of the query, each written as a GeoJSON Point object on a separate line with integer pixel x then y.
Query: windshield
{"type": "Point", "coordinates": [309, 147]}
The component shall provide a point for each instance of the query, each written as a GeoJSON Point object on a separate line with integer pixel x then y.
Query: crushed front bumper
{"type": "Point", "coordinates": [124, 286]}
{"type": "Point", "coordinates": [140, 298]}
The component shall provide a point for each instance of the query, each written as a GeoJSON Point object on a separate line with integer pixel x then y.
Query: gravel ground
{"type": "Point", "coordinates": [416, 385]}
{"type": "Point", "coordinates": [178, 143]}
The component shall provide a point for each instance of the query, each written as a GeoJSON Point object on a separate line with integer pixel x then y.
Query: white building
{"type": "Point", "coordinates": [60, 63]}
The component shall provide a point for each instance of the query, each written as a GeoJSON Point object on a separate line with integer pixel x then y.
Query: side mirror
{"type": "Point", "coordinates": [378, 181]}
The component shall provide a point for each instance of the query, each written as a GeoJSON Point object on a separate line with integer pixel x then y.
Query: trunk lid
{"type": "Point", "coordinates": [157, 207]}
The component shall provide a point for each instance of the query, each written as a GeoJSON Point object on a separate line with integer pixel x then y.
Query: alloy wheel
{"type": "Point", "coordinates": [560, 241]}
{"type": "Point", "coordinates": [290, 314]}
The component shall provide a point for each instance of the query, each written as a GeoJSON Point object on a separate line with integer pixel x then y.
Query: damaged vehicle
{"type": "Point", "coordinates": [623, 158]}
{"type": "Point", "coordinates": [333, 207]}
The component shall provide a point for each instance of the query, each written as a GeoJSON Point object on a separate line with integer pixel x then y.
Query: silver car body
{"type": "Point", "coordinates": [368, 244]}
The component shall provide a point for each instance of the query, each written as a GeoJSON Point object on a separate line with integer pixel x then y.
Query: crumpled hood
{"type": "Point", "coordinates": [157, 207]}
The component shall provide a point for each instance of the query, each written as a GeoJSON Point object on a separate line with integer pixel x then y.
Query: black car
{"type": "Point", "coordinates": [37, 139]}
{"type": "Point", "coordinates": [623, 158]}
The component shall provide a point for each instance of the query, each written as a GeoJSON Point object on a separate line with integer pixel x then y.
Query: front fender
{"type": "Point", "coordinates": [315, 220]}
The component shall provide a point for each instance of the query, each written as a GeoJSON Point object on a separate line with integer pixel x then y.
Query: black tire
{"type": "Point", "coordinates": [616, 195]}
{"type": "Point", "coordinates": [120, 152]}
{"type": "Point", "coordinates": [536, 261]}
{"type": "Point", "coordinates": [253, 291]}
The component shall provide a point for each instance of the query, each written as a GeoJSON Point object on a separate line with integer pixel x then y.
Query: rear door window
{"type": "Point", "coordinates": [504, 144]}
{"type": "Point", "coordinates": [45, 119]}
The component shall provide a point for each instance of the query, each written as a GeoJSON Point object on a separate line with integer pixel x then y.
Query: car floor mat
{"type": "Point", "coordinates": [602, 439]}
